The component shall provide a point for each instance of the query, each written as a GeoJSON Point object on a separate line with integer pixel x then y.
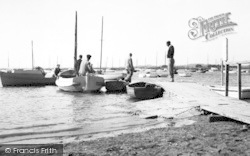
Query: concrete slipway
{"type": "Point", "coordinates": [182, 100]}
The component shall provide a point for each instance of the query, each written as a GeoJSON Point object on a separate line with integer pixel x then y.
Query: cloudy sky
{"type": "Point", "coordinates": [141, 27]}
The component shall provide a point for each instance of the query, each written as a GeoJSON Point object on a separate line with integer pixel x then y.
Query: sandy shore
{"type": "Point", "coordinates": [201, 138]}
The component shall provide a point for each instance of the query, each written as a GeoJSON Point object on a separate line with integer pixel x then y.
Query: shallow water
{"type": "Point", "coordinates": [46, 114]}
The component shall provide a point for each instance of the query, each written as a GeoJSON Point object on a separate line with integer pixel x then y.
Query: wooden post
{"type": "Point", "coordinates": [227, 80]}
{"type": "Point", "coordinates": [222, 75]}
{"type": "Point", "coordinates": [239, 80]}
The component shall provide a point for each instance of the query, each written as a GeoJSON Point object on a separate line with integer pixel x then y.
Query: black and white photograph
{"type": "Point", "coordinates": [124, 77]}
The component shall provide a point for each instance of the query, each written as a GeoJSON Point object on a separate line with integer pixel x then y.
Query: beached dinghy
{"type": "Point", "coordinates": [115, 85]}
{"type": "Point", "coordinates": [25, 78]}
{"type": "Point", "coordinates": [67, 81]}
{"type": "Point", "coordinates": [113, 82]}
{"type": "Point", "coordinates": [143, 90]}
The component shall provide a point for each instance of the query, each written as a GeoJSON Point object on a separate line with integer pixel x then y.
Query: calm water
{"type": "Point", "coordinates": [46, 114]}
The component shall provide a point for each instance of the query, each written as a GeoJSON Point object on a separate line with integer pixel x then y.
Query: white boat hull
{"type": "Point", "coordinates": [81, 83]}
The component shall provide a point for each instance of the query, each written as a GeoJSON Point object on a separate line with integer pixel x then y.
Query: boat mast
{"type": "Point", "coordinates": [101, 45]}
{"type": "Point", "coordinates": [32, 55]}
{"type": "Point", "coordinates": [75, 55]}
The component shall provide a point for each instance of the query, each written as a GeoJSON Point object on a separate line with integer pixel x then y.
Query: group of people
{"type": "Point", "coordinates": [84, 67]}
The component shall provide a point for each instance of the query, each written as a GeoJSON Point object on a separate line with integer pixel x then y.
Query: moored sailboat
{"type": "Point", "coordinates": [69, 81]}
{"type": "Point", "coordinates": [21, 77]}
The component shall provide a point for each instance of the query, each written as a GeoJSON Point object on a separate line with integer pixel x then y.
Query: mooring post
{"type": "Point", "coordinates": [227, 79]}
{"type": "Point", "coordinates": [239, 80]}
{"type": "Point", "coordinates": [222, 75]}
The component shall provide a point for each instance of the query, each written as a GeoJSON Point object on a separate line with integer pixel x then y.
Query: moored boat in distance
{"type": "Point", "coordinates": [185, 74]}
{"type": "Point", "coordinates": [21, 77]}
{"type": "Point", "coordinates": [151, 74]}
{"type": "Point", "coordinates": [213, 69]}
{"type": "Point", "coordinates": [232, 91]}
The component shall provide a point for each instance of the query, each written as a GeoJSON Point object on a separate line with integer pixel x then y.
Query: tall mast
{"type": "Point", "coordinates": [75, 55]}
{"type": "Point", "coordinates": [101, 46]}
{"type": "Point", "coordinates": [32, 55]}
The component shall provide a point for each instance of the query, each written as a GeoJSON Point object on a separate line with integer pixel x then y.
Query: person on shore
{"type": "Point", "coordinates": [86, 67]}
{"type": "Point", "coordinates": [78, 64]}
{"type": "Point", "coordinates": [130, 68]}
{"type": "Point", "coordinates": [170, 57]}
{"type": "Point", "coordinates": [57, 70]}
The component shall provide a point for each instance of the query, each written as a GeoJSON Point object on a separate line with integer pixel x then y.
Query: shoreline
{"type": "Point", "coordinates": [201, 138]}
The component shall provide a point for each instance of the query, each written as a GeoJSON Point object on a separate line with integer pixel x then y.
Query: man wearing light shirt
{"type": "Point", "coordinates": [86, 67]}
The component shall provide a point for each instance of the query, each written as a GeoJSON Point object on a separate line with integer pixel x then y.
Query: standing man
{"type": "Point", "coordinates": [86, 67]}
{"type": "Point", "coordinates": [130, 68]}
{"type": "Point", "coordinates": [78, 64]}
{"type": "Point", "coordinates": [170, 58]}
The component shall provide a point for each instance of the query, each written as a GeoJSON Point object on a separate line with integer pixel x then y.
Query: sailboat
{"type": "Point", "coordinates": [69, 81]}
{"type": "Point", "coordinates": [186, 73]}
{"type": "Point", "coordinates": [112, 80]}
{"type": "Point", "coordinates": [21, 77]}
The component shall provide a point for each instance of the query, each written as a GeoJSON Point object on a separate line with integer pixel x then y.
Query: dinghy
{"type": "Point", "coordinates": [113, 82]}
{"type": "Point", "coordinates": [68, 82]}
{"type": "Point", "coordinates": [143, 90]}
{"type": "Point", "coordinates": [115, 85]}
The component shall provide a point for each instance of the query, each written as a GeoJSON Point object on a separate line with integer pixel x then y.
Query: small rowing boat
{"type": "Point", "coordinates": [143, 90]}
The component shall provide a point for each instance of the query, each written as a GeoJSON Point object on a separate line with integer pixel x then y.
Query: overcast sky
{"type": "Point", "coordinates": [141, 27]}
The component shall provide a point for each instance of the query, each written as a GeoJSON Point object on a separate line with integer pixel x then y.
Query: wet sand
{"type": "Point", "coordinates": [201, 138]}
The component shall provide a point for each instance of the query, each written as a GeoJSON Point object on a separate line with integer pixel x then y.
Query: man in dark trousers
{"type": "Point", "coordinates": [170, 58]}
{"type": "Point", "coordinates": [78, 64]}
